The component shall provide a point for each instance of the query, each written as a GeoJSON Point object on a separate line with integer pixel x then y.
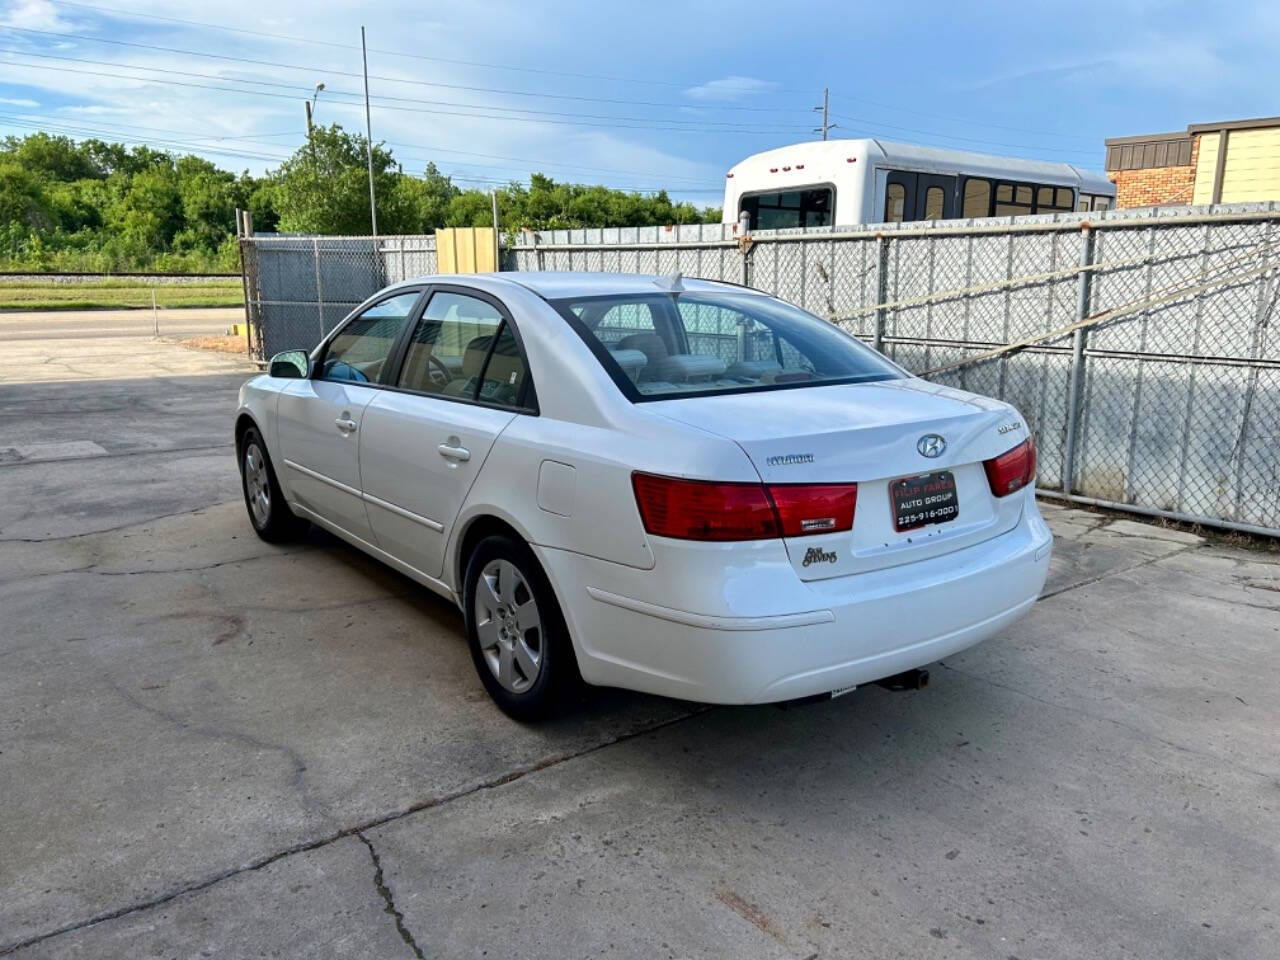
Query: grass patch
{"type": "Point", "coordinates": [118, 294]}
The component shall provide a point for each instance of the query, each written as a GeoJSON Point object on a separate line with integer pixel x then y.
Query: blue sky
{"type": "Point", "coordinates": [638, 96]}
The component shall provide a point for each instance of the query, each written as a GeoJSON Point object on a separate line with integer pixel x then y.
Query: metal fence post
{"type": "Point", "coordinates": [1084, 286]}
{"type": "Point", "coordinates": [882, 291]}
{"type": "Point", "coordinates": [315, 252]}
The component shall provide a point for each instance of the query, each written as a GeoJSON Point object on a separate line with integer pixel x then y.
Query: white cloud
{"type": "Point", "coordinates": [730, 88]}
{"type": "Point", "coordinates": [18, 102]}
{"type": "Point", "coordinates": [34, 15]}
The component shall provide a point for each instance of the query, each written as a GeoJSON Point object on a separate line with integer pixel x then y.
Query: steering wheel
{"type": "Point", "coordinates": [445, 374]}
{"type": "Point", "coordinates": [341, 370]}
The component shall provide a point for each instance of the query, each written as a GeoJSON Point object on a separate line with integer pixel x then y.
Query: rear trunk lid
{"type": "Point", "coordinates": [869, 434]}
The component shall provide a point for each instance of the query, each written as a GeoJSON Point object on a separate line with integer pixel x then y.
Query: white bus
{"type": "Point", "coordinates": [828, 182]}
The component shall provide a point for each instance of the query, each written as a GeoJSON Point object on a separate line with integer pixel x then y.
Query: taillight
{"type": "Point", "coordinates": [703, 510]}
{"type": "Point", "coordinates": [706, 510]}
{"type": "Point", "coordinates": [805, 509]}
{"type": "Point", "coordinates": [1014, 470]}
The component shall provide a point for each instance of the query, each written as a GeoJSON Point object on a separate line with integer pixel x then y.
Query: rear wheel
{"type": "Point", "coordinates": [271, 517]}
{"type": "Point", "coordinates": [517, 635]}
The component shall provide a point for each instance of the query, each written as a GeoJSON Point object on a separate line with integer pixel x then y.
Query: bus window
{"type": "Point", "coordinates": [1053, 200]}
{"type": "Point", "coordinates": [934, 203]}
{"type": "Point", "coordinates": [1102, 203]}
{"type": "Point", "coordinates": [895, 202]}
{"type": "Point", "coordinates": [1084, 202]}
{"type": "Point", "coordinates": [977, 197]}
{"type": "Point", "coordinates": [1013, 199]}
{"type": "Point", "coordinates": [809, 207]}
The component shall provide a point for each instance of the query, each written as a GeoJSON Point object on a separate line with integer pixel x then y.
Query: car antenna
{"type": "Point", "coordinates": [670, 283]}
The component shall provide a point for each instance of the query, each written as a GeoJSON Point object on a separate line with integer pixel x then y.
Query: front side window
{"type": "Point", "coordinates": [720, 342]}
{"type": "Point", "coordinates": [787, 209]}
{"type": "Point", "coordinates": [462, 348]}
{"type": "Point", "coordinates": [360, 350]}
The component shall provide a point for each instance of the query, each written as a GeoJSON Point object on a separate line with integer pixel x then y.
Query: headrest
{"type": "Point", "coordinates": [631, 361]}
{"type": "Point", "coordinates": [473, 358]}
{"type": "Point", "coordinates": [648, 343]}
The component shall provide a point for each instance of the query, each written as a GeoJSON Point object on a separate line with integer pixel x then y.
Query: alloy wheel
{"type": "Point", "coordinates": [509, 626]}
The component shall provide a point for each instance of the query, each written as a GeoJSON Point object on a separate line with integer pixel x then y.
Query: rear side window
{"type": "Point", "coordinates": [787, 209]}
{"type": "Point", "coordinates": [463, 348]}
{"type": "Point", "coordinates": [360, 350]}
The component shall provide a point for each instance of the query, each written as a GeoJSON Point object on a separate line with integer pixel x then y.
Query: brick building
{"type": "Point", "coordinates": [1228, 162]}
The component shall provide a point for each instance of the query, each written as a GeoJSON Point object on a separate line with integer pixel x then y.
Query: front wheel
{"type": "Point", "coordinates": [517, 635]}
{"type": "Point", "coordinates": [271, 517]}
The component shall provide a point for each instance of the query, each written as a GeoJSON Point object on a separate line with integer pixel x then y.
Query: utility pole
{"type": "Point", "coordinates": [368, 133]}
{"type": "Point", "coordinates": [826, 127]}
{"type": "Point", "coordinates": [311, 105]}
{"type": "Point", "coordinates": [497, 245]}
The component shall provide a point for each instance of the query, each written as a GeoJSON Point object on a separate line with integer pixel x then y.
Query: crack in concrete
{"type": "Point", "coordinates": [503, 779]}
{"type": "Point", "coordinates": [116, 529]}
{"type": "Point", "coordinates": [492, 784]}
{"type": "Point", "coordinates": [1115, 571]}
{"type": "Point", "coordinates": [379, 884]}
{"type": "Point", "coordinates": [142, 452]}
{"type": "Point", "coordinates": [212, 733]}
{"type": "Point", "coordinates": [91, 568]}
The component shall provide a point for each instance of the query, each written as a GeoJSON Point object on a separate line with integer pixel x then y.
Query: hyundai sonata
{"type": "Point", "coordinates": [677, 486]}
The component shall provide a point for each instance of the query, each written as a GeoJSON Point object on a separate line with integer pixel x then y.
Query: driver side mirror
{"type": "Point", "coordinates": [293, 364]}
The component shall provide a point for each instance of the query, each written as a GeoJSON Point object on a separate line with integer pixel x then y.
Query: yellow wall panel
{"type": "Point", "coordinates": [1206, 164]}
{"type": "Point", "coordinates": [465, 250]}
{"type": "Point", "coordinates": [1253, 166]}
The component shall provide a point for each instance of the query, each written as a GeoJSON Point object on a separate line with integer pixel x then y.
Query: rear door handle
{"type": "Point", "coordinates": [454, 450]}
{"type": "Point", "coordinates": [345, 425]}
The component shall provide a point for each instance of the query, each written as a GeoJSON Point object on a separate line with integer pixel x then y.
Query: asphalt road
{"type": "Point", "coordinates": [80, 324]}
{"type": "Point", "coordinates": [212, 746]}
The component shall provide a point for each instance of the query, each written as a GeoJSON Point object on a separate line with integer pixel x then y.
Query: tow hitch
{"type": "Point", "coordinates": [907, 680]}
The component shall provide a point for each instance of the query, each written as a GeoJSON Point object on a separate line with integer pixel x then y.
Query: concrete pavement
{"type": "Point", "coordinates": [214, 746]}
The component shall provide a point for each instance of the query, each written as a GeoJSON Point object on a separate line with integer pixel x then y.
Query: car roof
{"type": "Point", "coordinates": [554, 285]}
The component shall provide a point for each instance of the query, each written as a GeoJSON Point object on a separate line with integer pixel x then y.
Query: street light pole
{"type": "Point", "coordinates": [368, 133]}
{"type": "Point", "coordinates": [311, 105]}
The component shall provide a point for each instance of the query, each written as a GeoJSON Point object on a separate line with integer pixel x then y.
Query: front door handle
{"type": "Point", "coordinates": [453, 450]}
{"type": "Point", "coordinates": [345, 425]}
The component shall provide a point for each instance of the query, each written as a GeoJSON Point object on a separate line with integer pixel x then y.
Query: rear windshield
{"type": "Point", "coordinates": [659, 345]}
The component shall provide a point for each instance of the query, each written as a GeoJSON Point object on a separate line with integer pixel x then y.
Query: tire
{"type": "Point", "coordinates": [271, 517]}
{"type": "Point", "coordinates": [518, 639]}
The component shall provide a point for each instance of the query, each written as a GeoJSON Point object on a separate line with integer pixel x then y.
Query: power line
{"type": "Point", "coordinates": [384, 100]}
{"type": "Point", "coordinates": [972, 121]}
{"type": "Point", "coordinates": [724, 126]}
{"type": "Point", "coordinates": [978, 140]}
{"type": "Point", "coordinates": [626, 123]}
{"type": "Point", "coordinates": [393, 53]}
{"type": "Point", "coordinates": [312, 70]}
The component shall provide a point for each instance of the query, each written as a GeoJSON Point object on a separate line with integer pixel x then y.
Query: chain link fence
{"type": "Point", "coordinates": [297, 288]}
{"type": "Point", "coordinates": [1141, 346]}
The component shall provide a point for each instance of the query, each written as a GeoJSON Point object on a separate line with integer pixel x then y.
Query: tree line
{"type": "Point", "coordinates": [106, 207]}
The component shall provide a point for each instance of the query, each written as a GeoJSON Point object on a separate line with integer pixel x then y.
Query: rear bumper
{"type": "Point", "coordinates": [731, 629]}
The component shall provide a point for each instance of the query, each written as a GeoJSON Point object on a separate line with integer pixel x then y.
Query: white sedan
{"type": "Point", "coordinates": [684, 487]}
